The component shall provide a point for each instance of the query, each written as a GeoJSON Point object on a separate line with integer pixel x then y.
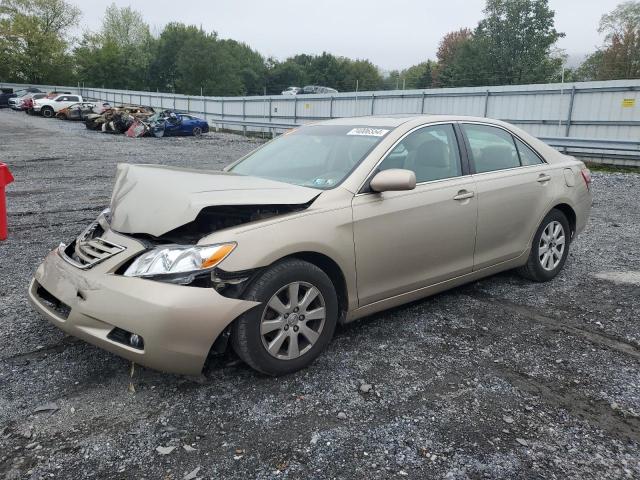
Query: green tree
{"type": "Point", "coordinates": [619, 57]}
{"type": "Point", "coordinates": [247, 65]}
{"type": "Point", "coordinates": [392, 80]}
{"type": "Point", "coordinates": [467, 66]}
{"type": "Point", "coordinates": [326, 70]}
{"type": "Point", "coordinates": [419, 76]}
{"type": "Point", "coordinates": [453, 53]}
{"type": "Point", "coordinates": [515, 41]}
{"type": "Point", "coordinates": [513, 44]}
{"type": "Point", "coordinates": [119, 55]}
{"type": "Point", "coordinates": [34, 40]}
{"type": "Point", "coordinates": [167, 49]}
{"type": "Point", "coordinates": [361, 73]}
{"type": "Point", "coordinates": [281, 75]}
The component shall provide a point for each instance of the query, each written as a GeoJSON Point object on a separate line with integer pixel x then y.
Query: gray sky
{"type": "Point", "coordinates": [393, 34]}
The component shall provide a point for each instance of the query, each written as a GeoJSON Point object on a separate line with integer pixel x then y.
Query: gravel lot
{"type": "Point", "coordinates": [501, 378]}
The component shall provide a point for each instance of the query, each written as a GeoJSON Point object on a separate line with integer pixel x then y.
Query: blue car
{"type": "Point", "coordinates": [171, 123]}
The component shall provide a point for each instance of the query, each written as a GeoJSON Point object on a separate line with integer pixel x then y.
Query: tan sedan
{"type": "Point", "coordinates": [323, 225]}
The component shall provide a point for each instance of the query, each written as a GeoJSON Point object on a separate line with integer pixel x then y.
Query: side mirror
{"type": "Point", "coordinates": [393, 180]}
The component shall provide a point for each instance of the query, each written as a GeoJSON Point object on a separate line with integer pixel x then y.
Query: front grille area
{"type": "Point", "coordinates": [89, 248]}
{"type": "Point", "coordinates": [91, 252]}
{"type": "Point", "coordinates": [52, 303]}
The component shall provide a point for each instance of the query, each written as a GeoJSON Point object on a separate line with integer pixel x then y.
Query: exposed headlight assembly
{"type": "Point", "coordinates": [178, 263]}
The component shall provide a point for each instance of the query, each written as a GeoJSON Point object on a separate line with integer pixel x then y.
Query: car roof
{"type": "Point", "coordinates": [398, 119]}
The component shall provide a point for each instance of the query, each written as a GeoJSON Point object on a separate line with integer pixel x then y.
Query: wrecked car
{"type": "Point", "coordinates": [323, 225]}
{"type": "Point", "coordinates": [168, 123]}
{"type": "Point", "coordinates": [26, 102]}
{"type": "Point", "coordinates": [171, 123]}
{"type": "Point", "coordinates": [117, 119]}
{"type": "Point", "coordinates": [80, 111]}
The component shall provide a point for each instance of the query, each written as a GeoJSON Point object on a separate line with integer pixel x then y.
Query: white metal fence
{"type": "Point", "coordinates": [607, 113]}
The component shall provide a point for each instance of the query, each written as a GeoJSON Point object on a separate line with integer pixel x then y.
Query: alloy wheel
{"type": "Point", "coordinates": [551, 246]}
{"type": "Point", "coordinates": [292, 320]}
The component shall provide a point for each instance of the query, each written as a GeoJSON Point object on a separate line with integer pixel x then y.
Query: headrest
{"type": "Point", "coordinates": [432, 153]}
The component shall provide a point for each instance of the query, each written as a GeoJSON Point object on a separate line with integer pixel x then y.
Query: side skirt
{"type": "Point", "coordinates": [434, 289]}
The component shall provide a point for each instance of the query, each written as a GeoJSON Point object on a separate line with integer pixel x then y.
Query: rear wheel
{"type": "Point", "coordinates": [294, 323]}
{"type": "Point", "coordinates": [47, 112]}
{"type": "Point", "coordinates": [550, 248]}
{"type": "Point", "coordinates": [197, 131]}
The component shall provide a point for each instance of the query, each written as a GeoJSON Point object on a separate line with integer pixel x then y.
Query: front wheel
{"type": "Point", "coordinates": [197, 131]}
{"type": "Point", "coordinates": [294, 322]}
{"type": "Point", "coordinates": [550, 248]}
{"type": "Point", "coordinates": [47, 112]}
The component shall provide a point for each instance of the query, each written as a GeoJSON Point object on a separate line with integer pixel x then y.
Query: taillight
{"type": "Point", "coordinates": [586, 176]}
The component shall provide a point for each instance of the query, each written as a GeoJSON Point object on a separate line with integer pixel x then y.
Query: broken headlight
{"type": "Point", "coordinates": [178, 263]}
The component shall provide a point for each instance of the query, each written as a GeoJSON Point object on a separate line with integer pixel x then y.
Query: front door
{"type": "Point", "coordinates": [408, 240]}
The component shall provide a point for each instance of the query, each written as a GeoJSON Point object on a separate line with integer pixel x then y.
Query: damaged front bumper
{"type": "Point", "coordinates": [178, 324]}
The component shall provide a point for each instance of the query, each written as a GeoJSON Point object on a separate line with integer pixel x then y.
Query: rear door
{"type": "Point", "coordinates": [408, 240]}
{"type": "Point", "coordinates": [514, 187]}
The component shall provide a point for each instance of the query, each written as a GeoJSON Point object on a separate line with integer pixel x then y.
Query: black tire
{"type": "Point", "coordinates": [246, 338]}
{"type": "Point", "coordinates": [197, 131]}
{"type": "Point", "coordinates": [533, 269]}
{"type": "Point", "coordinates": [47, 112]}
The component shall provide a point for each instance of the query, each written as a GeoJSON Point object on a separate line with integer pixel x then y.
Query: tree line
{"type": "Point", "coordinates": [514, 43]}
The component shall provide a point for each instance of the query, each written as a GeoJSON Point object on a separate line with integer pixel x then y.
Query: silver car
{"type": "Point", "coordinates": [323, 225]}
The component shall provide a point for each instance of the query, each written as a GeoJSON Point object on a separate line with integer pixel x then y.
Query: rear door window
{"type": "Point", "coordinates": [491, 148]}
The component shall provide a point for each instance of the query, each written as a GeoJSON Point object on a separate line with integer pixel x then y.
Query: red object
{"type": "Point", "coordinates": [586, 176]}
{"type": "Point", "coordinates": [5, 179]}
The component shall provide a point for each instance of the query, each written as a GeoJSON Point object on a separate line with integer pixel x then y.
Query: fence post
{"type": "Point", "coordinates": [373, 103]}
{"type": "Point", "coordinates": [570, 113]}
{"type": "Point", "coordinates": [222, 111]}
{"type": "Point", "coordinates": [204, 107]}
{"type": "Point", "coordinates": [331, 107]}
{"type": "Point", "coordinates": [424, 95]}
{"type": "Point", "coordinates": [295, 109]}
{"type": "Point", "coordinates": [188, 104]}
{"type": "Point", "coordinates": [244, 117]}
{"type": "Point", "coordinates": [486, 103]}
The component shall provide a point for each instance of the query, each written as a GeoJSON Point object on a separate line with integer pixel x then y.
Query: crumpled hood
{"type": "Point", "coordinates": [154, 200]}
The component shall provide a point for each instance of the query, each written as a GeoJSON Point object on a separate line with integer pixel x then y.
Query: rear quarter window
{"type": "Point", "coordinates": [527, 155]}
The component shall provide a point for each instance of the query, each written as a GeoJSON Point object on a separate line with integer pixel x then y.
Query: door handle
{"type": "Point", "coordinates": [463, 195]}
{"type": "Point", "coordinates": [543, 178]}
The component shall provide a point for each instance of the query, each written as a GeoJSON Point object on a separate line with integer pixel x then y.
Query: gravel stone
{"type": "Point", "coordinates": [365, 388]}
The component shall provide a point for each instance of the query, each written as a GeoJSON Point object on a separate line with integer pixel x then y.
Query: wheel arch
{"type": "Point", "coordinates": [568, 212]}
{"type": "Point", "coordinates": [320, 260]}
{"type": "Point", "coordinates": [333, 271]}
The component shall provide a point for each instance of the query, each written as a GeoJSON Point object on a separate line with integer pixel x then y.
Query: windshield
{"type": "Point", "coordinates": [318, 156]}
